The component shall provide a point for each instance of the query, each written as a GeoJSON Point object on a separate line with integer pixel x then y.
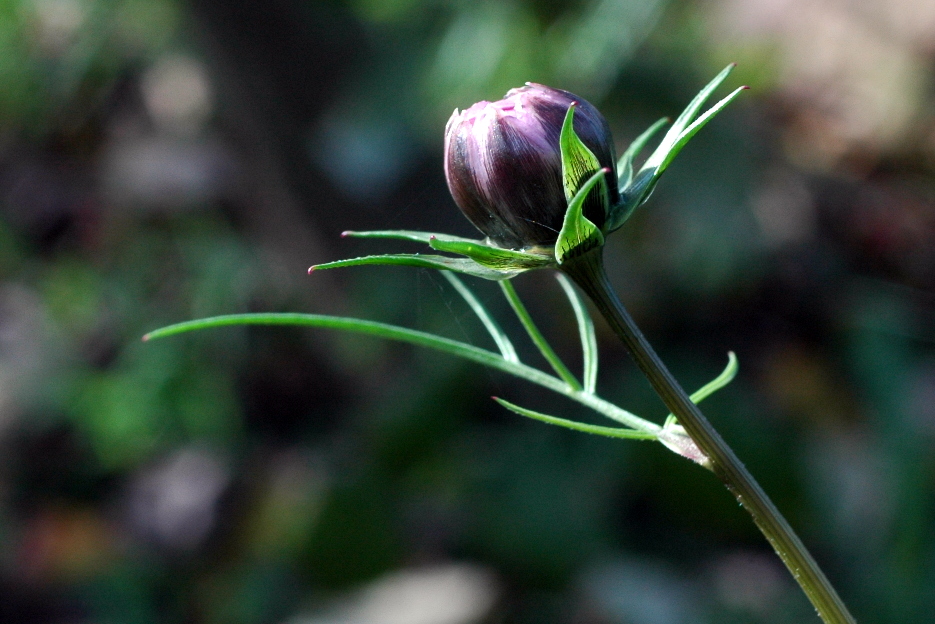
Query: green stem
{"type": "Point", "coordinates": [587, 270]}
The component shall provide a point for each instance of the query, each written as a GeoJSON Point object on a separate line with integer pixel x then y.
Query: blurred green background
{"type": "Point", "coordinates": [163, 160]}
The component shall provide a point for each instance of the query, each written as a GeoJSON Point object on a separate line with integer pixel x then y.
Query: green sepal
{"type": "Point", "coordinates": [578, 162]}
{"type": "Point", "coordinates": [410, 235]}
{"type": "Point", "coordinates": [493, 257]}
{"type": "Point", "coordinates": [617, 215]}
{"type": "Point", "coordinates": [609, 432]}
{"type": "Point", "coordinates": [578, 234]}
{"type": "Point", "coordinates": [444, 263]}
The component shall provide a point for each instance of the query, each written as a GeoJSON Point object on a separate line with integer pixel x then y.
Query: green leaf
{"type": "Point", "coordinates": [578, 162]}
{"type": "Point", "coordinates": [697, 125]}
{"type": "Point", "coordinates": [685, 127]}
{"type": "Point", "coordinates": [686, 117]}
{"type": "Point", "coordinates": [443, 263]}
{"type": "Point", "coordinates": [494, 257]}
{"type": "Point", "coordinates": [422, 339]}
{"type": "Point", "coordinates": [726, 376]}
{"type": "Point", "coordinates": [499, 337]}
{"type": "Point", "coordinates": [586, 331]}
{"type": "Point", "coordinates": [410, 235]}
{"type": "Point", "coordinates": [578, 234]}
{"type": "Point", "coordinates": [537, 338]}
{"type": "Point", "coordinates": [610, 432]}
{"type": "Point", "coordinates": [625, 164]}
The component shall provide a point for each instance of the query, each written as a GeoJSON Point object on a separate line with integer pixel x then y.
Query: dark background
{"type": "Point", "coordinates": [162, 161]}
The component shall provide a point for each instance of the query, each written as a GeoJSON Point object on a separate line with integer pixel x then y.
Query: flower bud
{"type": "Point", "coordinates": [503, 164]}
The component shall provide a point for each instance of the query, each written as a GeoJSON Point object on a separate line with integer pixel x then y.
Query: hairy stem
{"type": "Point", "coordinates": [587, 270]}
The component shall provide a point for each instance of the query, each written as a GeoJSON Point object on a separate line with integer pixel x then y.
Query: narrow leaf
{"type": "Point", "coordinates": [697, 125]}
{"type": "Point", "coordinates": [443, 263]}
{"type": "Point", "coordinates": [625, 164]}
{"type": "Point", "coordinates": [686, 117]}
{"type": "Point", "coordinates": [578, 233]}
{"type": "Point", "coordinates": [499, 337]}
{"type": "Point", "coordinates": [726, 376]}
{"type": "Point", "coordinates": [422, 339]}
{"type": "Point", "coordinates": [419, 237]}
{"type": "Point", "coordinates": [586, 331]}
{"type": "Point", "coordinates": [537, 338]}
{"type": "Point", "coordinates": [610, 432]}
{"type": "Point", "coordinates": [578, 162]}
{"type": "Point", "coordinates": [494, 257]}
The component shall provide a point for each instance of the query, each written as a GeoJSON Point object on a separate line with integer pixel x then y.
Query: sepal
{"type": "Point", "coordinates": [578, 234]}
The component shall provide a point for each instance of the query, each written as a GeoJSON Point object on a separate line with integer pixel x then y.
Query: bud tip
{"type": "Point", "coordinates": [346, 233]}
{"type": "Point", "coordinates": [146, 338]}
{"type": "Point", "coordinates": [745, 87]}
{"type": "Point", "coordinates": [310, 269]}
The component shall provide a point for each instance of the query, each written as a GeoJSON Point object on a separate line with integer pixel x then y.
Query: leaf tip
{"type": "Point", "coordinates": [745, 88]}
{"type": "Point", "coordinates": [146, 337]}
{"type": "Point", "coordinates": [312, 268]}
{"type": "Point", "coordinates": [347, 233]}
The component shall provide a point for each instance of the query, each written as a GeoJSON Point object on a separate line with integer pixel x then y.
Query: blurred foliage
{"type": "Point", "coordinates": [162, 160]}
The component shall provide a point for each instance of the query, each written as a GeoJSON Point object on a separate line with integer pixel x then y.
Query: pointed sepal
{"type": "Point", "coordinates": [578, 234]}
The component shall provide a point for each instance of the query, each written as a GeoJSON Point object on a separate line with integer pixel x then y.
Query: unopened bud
{"type": "Point", "coordinates": [503, 164]}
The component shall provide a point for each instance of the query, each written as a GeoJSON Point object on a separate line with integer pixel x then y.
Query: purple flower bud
{"type": "Point", "coordinates": [504, 166]}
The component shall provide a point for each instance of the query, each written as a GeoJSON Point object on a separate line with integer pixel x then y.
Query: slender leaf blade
{"type": "Point", "coordinates": [536, 336]}
{"type": "Point", "coordinates": [586, 332]}
{"type": "Point", "coordinates": [697, 125]}
{"type": "Point", "coordinates": [443, 263]}
{"type": "Point", "coordinates": [422, 339]}
{"type": "Point", "coordinates": [625, 164]}
{"type": "Point", "coordinates": [686, 118]}
{"type": "Point", "coordinates": [609, 432]}
{"type": "Point", "coordinates": [493, 328]}
{"type": "Point", "coordinates": [410, 235]}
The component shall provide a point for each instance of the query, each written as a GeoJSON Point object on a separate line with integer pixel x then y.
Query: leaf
{"type": "Point", "coordinates": [411, 235]}
{"type": "Point", "coordinates": [494, 257]}
{"type": "Point", "coordinates": [422, 339]}
{"type": "Point", "coordinates": [586, 331]}
{"type": "Point", "coordinates": [702, 393]}
{"type": "Point", "coordinates": [684, 128]}
{"type": "Point", "coordinates": [686, 117]}
{"type": "Point", "coordinates": [443, 263]}
{"type": "Point", "coordinates": [610, 432]}
{"type": "Point", "coordinates": [578, 234]}
{"type": "Point", "coordinates": [631, 193]}
{"type": "Point", "coordinates": [697, 125]}
{"type": "Point", "coordinates": [499, 337]}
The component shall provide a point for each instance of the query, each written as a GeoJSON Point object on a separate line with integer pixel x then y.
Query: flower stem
{"type": "Point", "coordinates": [587, 271]}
